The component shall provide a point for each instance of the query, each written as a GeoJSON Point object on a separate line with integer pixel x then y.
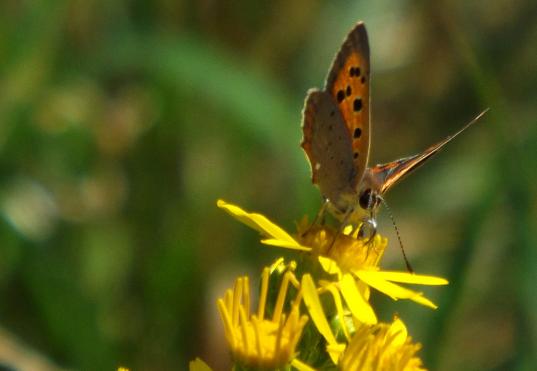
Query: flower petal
{"type": "Point", "coordinates": [198, 365]}
{"type": "Point", "coordinates": [365, 291]}
{"type": "Point", "coordinates": [289, 245]}
{"type": "Point", "coordinates": [357, 304]}
{"type": "Point", "coordinates": [258, 222]}
{"type": "Point", "coordinates": [335, 351]}
{"type": "Point", "coordinates": [301, 366]}
{"type": "Point", "coordinates": [406, 277]}
{"type": "Point", "coordinates": [330, 266]}
{"type": "Point", "coordinates": [392, 290]}
{"type": "Point", "coordinates": [315, 309]}
{"type": "Point", "coordinates": [334, 291]}
{"type": "Point", "coordinates": [278, 265]}
{"type": "Point", "coordinates": [398, 331]}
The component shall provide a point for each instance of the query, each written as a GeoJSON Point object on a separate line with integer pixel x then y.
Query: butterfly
{"type": "Point", "coordinates": [337, 135]}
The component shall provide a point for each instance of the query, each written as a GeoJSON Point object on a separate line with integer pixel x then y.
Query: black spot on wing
{"type": "Point", "coordinates": [354, 71]}
{"type": "Point", "coordinates": [340, 96]}
{"type": "Point", "coordinates": [357, 105]}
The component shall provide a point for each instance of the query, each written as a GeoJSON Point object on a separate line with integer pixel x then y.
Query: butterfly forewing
{"type": "Point", "coordinates": [387, 175]}
{"type": "Point", "coordinates": [328, 147]}
{"type": "Point", "coordinates": [348, 84]}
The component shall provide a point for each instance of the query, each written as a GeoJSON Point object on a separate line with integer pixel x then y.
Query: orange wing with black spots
{"type": "Point", "coordinates": [336, 123]}
{"type": "Point", "coordinates": [348, 83]}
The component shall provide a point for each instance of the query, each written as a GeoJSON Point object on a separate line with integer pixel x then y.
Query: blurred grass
{"type": "Point", "coordinates": [121, 123]}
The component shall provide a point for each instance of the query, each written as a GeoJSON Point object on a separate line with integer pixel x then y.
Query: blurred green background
{"type": "Point", "coordinates": [122, 122]}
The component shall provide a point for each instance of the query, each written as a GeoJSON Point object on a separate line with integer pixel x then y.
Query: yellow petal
{"type": "Point", "coordinates": [348, 229]}
{"type": "Point", "coordinates": [329, 265]}
{"type": "Point", "coordinates": [357, 304]}
{"type": "Point", "coordinates": [198, 365]}
{"type": "Point", "coordinates": [398, 331]}
{"type": "Point", "coordinates": [335, 351]}
{"type": "Point", "coordinates": [364, 289]}
{"type": "Point", "coordinates": [258, 222]}
{"type": "Point", "coordinates": [392, 290]}
{"type": "Point", "coordinates": [301, 366]}
{"type": "Point", "coordinates": [331, 288]}
{"type": "Point", "coordinates": [279, 264]}
{"type": "Point", "coordinates": [315, 309]}
{"type": "Point", "coordinates": [406, 277]}
{"type": "Point", "coordinates": [289, 245]}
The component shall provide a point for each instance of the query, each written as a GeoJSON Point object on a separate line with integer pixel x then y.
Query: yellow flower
{"type": "Point", "coordinates": [345, 267]}
{"type": "Point", "coordinates": [347, 257]}
{"type": "Point", "coordinates": [371, 347]}
{"type": "Point", "coordinates": [383, 346]}
{"type": "Point", "coordinates": [256, 341]}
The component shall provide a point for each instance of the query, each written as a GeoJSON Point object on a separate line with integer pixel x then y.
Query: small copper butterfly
{"type": "Point", "coordinates": [337, 134]}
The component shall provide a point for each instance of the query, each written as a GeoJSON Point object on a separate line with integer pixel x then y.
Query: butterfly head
{"type": "Point", "coordinates": [370, 193]}
{"type": "Point", "coordinates": [369, 200]}
{"type": "Point", "coordinates": [361, 204]}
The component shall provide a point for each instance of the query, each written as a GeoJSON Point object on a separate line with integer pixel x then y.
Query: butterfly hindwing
{"type": "Point", "coordinates": [328, 147]}
{"type": "Point", "coordinates": [348, 83]}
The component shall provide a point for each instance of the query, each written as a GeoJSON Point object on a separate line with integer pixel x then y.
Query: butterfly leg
{"type": "Point", "coordinates": [344, 222]}
{"type": "Point", "coordinates": [318, 217]}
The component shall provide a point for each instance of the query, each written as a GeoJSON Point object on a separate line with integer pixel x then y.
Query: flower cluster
{"type": "Point", "coordinates": [316, 314]}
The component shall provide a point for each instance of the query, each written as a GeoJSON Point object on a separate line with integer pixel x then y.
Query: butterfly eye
{"type": "Point", "coordinates": [365, 200]}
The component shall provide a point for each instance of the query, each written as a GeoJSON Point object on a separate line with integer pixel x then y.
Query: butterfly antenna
{"type": "Point", "coordinates": [408, 266]}
{"type": "Point", "coordinates": [473, 121]}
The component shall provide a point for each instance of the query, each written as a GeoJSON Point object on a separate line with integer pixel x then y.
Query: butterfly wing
{"type": "Point", "coordinates": [387, 175]}
{"type": "Point", "coordinates": [328, 147]}
{"type": "Point", "coordinates": [348, 84]}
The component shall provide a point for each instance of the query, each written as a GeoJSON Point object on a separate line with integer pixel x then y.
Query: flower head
{"type": "Point", "coordinates": [256, 341]}
{"type": "Point", "coordinates": [380, 347]}
{"type": "Point", "coordinates": [342, 256]}
{"type": "Point", "coordinates": [343, 247]}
